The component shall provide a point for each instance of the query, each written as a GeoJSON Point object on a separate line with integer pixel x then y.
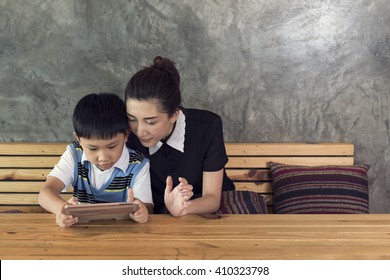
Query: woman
{"type": "Point", "coordinates": [185, 146]}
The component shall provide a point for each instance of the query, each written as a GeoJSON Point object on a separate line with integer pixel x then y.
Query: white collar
{"type": "Point", "coordinates": [176, 140]}
{"type": "Point", "coordinates": [122, 163]}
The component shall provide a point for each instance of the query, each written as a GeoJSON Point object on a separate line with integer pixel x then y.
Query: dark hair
{"type": "Point", "coordinates": [100, 115]}
{"type": "Point", "coordinates": [160, 81]}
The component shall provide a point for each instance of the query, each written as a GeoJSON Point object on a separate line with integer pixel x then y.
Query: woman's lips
{"type": "Point", "coordinates": [145, 140]}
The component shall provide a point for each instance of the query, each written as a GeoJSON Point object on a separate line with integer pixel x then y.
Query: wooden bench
{"type": "Point", "coordinates": [24, 167]}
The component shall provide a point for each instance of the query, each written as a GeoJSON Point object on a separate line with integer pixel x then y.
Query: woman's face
{"type": "Point", "coordinates": [147, 122]}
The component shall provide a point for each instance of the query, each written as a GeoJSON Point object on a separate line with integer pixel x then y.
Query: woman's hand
{"type": "Point", "coordinates": [66, 220]}
{"type": "Point", "coordinates": [141, 215]}
{"type": "Point", "coordinates": [176, 200]}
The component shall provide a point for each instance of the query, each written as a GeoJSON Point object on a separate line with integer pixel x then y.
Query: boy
{"type": "Point", "coordinates": [98, 165]}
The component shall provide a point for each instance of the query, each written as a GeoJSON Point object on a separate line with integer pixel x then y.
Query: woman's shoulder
{"type": "Point", "coordinates": [200, 115]}
{"type": "Point", "coordinates": [202, 122]}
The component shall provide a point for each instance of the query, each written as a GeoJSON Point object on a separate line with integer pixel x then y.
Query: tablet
{"type": "Point", "coordinates": [101, 211]}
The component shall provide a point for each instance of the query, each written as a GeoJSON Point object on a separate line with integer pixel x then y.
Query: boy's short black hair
{"type": "Point", "coordinates": [100, 115]}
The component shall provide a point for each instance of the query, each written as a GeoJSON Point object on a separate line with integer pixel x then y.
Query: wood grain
{"type": "Point", "coordinates": [36, 236]}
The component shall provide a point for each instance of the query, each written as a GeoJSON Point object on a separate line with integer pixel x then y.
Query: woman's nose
{"type": "Point", "coordinates": [141, 129]}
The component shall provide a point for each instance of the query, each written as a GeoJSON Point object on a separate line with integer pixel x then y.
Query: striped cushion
{"type": "Point", "coordinates": [320, 190]}
{"type": "Point", "coordinates": [242, 202]}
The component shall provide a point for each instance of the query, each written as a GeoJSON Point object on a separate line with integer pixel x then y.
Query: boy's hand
{"type": "Point", "coordinates": [141, 215]}
{"type": "Point", "coordinates": [66, 220]}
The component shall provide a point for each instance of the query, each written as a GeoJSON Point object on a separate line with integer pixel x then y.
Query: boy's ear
{"type": "Point", "coordinates": [76, 136]}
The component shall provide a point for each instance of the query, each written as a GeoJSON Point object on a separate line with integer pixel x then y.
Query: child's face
{"type": "Point", "coordinates": [103, 153]}
{"type": "Point", "coordinates": [147, 122]}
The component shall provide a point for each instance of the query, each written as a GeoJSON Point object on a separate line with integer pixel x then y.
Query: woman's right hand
{"type": "Point", "coordinates": [66, 220]}
{"type": "Point", "coordinates": [176, 199]}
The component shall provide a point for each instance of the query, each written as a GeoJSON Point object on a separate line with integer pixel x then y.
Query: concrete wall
{"type": "Point", "coordinates": [276, 71]}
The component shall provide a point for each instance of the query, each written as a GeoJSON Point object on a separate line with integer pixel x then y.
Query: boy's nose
{"type": "Point", "coordinates": [102, 156]}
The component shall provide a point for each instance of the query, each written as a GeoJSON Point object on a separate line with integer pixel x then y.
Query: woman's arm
{"type": "Point", "coordinates": [211, 198]}
{"type": "Point", "coordinates": [177, 202]}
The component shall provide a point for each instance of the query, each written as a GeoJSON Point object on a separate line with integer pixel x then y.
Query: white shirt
{"type": "Point", "coordinates": [64, 171]}
{"type": "Point", "coordinates": [176, 140]}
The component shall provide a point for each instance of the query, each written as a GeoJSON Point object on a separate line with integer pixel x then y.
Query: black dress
{"type": "Point", "coordinates": [204, 150]}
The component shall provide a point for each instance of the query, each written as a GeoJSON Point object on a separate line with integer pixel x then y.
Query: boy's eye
{"type": "Point", "coordinates": [92, 149]}
{"type": "Point", "coordinates": [112, 147]}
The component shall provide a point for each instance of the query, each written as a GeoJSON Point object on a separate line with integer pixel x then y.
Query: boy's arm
{"type": "Point", "coordinates": [60, 177]}
{"type": "Point", "coordinates": [142, 188]}
{"type": "Point", "coordinates": [49, 196]}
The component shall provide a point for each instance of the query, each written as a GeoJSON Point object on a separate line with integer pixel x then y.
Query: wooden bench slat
{"type": "Point", "coordinates": [24, 198]}
{"type": "Point", "coordinates": [32, 148]}
{"type": "Point", "coordinates": [291, 149]}
{"type": "Point", "coordinates": [262, 162]}
{"type": "Point", "coordinates": [24, 174]}
{"type": "Point", "coordinates": [28, 161]}
{"type": "Point", "coordinates": [242, 182]}
{"type": "Point", "coordinates": [264, 187]}
{"type": "Point", "coordinates": [263, 149]}
{"type": "Point", "coordinates": [249, 174]}
{"type": "Point", "coordinates": [23, 186]}
{"type": "Point", "coordinates": [20, 186]}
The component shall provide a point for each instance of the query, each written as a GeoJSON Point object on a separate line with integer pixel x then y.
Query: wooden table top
{"type": "Point", "coordinates": [282, 237]}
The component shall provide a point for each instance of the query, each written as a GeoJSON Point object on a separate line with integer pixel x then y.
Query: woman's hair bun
{"type": "Point", "coordinates": [167, 66]}
{"type": "Point", "coordinates": [157, 60]}
{"type": "Point", "coordinates": [161, 61]}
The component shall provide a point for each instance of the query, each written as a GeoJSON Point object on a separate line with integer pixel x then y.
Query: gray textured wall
{"type": "Point", "coordinates": [276, 71]}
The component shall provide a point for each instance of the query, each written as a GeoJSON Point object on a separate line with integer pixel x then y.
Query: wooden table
{"type": "Point", "coordinates": [284, 237]}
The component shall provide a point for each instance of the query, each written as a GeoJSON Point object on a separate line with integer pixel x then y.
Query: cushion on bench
{"type": "Point", "coordinates": [242, 202]}
{"type": "Point", "coordinates": [320, 190]}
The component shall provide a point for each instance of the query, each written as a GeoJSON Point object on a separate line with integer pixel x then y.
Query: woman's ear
{"type": "Point", "coordinates": [174, 116]}
{"type": "Point", "coordinates": [127, 133]}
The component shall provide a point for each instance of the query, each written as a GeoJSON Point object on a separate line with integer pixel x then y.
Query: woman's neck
{"type": "Point", "coordinates": [165, 139]}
